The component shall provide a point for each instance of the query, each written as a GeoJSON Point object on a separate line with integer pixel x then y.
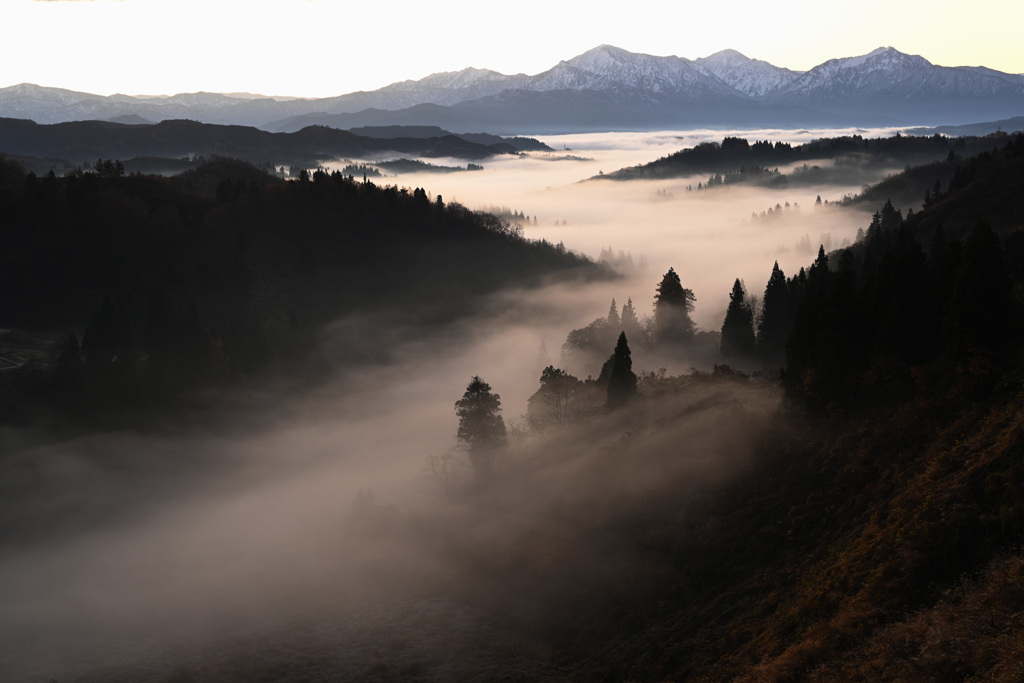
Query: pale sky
{"type": "Point", "coordinates": [320, 48]}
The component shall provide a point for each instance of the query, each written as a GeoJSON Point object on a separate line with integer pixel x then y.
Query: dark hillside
{"type": "Point", "coordinates": [838, 556]}
{"type": "Point", "coordinates": [986, 182]}
{"type": "Point", "coordinates": [84, 141]}
{"type": "Point", "coordinates": [224, 267]}
{"type": "Point", "coordinates": [856, 151]}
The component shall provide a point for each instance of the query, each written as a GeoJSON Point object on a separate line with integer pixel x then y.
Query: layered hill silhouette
{"type": "Point", "coordinates": [85, 141]}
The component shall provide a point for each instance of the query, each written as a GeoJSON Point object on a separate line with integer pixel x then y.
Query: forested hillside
{"type": "Point", "coordinates": [215, 272]}
{"type": "Point", "coordinates": [734, 154]}
{"type": "Point", "coordinates": [81, 142]}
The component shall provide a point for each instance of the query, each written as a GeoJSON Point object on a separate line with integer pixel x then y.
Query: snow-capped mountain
{"type": "Point", "coordinates": [611, 68]}
{"type": "Point", "coordinates": [56, 105]}
{"type": "Point", "coordinates": [445, 88]}
{"type": "Point", "coordinates": [604, 88]}
{"type": "Point", "coordinates": [887, 71]}
{"type": "Point", "coordinates": [751, 77]}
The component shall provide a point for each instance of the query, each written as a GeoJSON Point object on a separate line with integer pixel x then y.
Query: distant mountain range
{"type": "Point", "coordinates": [606, 88]}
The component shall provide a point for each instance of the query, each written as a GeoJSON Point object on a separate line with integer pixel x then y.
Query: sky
{"type": "Point", "coordinates": [321, 48]}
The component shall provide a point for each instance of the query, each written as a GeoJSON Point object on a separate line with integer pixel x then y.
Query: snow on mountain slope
{"type": "Point", "coordinates": [445, 88]}
{"type": "Point", "coordinates": [751, 77]}
{"type": "Point", "coordinates": [56, 105]}
{"type": "Point", "coordinates": [725, 84]}
{"type": "Point", "coordinates": [887, 71]}
{"type": "Point", "coordinates": [610, 68]}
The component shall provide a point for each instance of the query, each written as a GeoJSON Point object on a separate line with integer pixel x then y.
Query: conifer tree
{"type": "Point", "coordinates": [630, 324]}
{"type": "Point", "coordinates": [613, 316]}
{"type": "Point", "coordinates": [738, 328]}
{"type": "Point", "coordinates": [776, 319]}
{"type": "Point", "coordinates": [672, 306]}
{"type": "Point", "coordinates": [622, 380]}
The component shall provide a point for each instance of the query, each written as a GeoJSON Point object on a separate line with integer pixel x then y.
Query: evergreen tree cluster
{"type": "Point", "coordinates": [669, 330]}
{"type": "Point", "coordinates": [889, 315]}
{"type": "Point", "coordinates": [776, 212]}
{"type": "Point", "coordinates": [621, 261]}
{"type": "Point", "coordinates": [889, 319]}
{"type": "Point", "coordinates": [741, 175]}
{"type": "Point", "coordinates": [865, 324]}
{"type": "Point", "coordinates": [601, 334]}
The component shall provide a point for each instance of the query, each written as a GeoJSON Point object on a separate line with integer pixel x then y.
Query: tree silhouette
{"type": "Point", "coordinates": [776, 319]}
{"type": "Point", "coordinates": [622, 381]}
{"type": "Point", "coordinates": [481, 427]}
{"type": "Point", "coordinates": [672, 306]}
{"type": "Point", "coordinates": [551, 403]}
{"type": "Point", "coordinates": [738, 328]}
{"type": "Point", "coordinates": [613, 316]}
{"type": "Point", "coordinates": [630, 324]}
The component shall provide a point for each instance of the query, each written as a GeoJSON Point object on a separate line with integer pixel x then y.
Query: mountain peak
{"type": "Point", "coordinates": [600, 57]}
{"type": "Point", "coordinates": [752, 77]}
{"type": "Point", "coordinates": [881, 57]}
{"type": "Point", "coordinates": [727, 56]}
{"type": "Point", "coordinates": [610, 68]}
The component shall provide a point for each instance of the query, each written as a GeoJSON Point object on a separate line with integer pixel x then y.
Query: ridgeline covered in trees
{"type": "Point", "coordinates": [80, 141]}
{"type": "Point", "coordinates": [733, 154]}
{"type": "Point", "coordinates": [215, 272]}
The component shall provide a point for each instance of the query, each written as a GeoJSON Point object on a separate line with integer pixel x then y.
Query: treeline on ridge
{"type": "Point", "coordinates": [79, 142]}
{"type": "Point", "coordinates": [218, 270]}
{"type": "Point", "coordinates": [734, 153]}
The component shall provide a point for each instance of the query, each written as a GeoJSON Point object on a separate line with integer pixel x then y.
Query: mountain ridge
{"type": "Point", "coordinates": [633, 91]}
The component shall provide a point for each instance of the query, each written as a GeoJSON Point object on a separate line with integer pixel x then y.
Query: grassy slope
{"type": "Point", "coordinates": [823, 560]}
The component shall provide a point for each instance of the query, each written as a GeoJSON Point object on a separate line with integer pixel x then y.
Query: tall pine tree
{"type": "Point", "coordinates": [622, 381]}
{"type": "Point", "coordinates": [775, 320]}
{"type": "Point", "coordinates": [738, 339]}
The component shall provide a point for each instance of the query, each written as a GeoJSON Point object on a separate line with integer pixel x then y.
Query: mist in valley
{"type": "Point", "coordinates": [313, 523]}
{"type": "Point", "coordinates": [711, 237]}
